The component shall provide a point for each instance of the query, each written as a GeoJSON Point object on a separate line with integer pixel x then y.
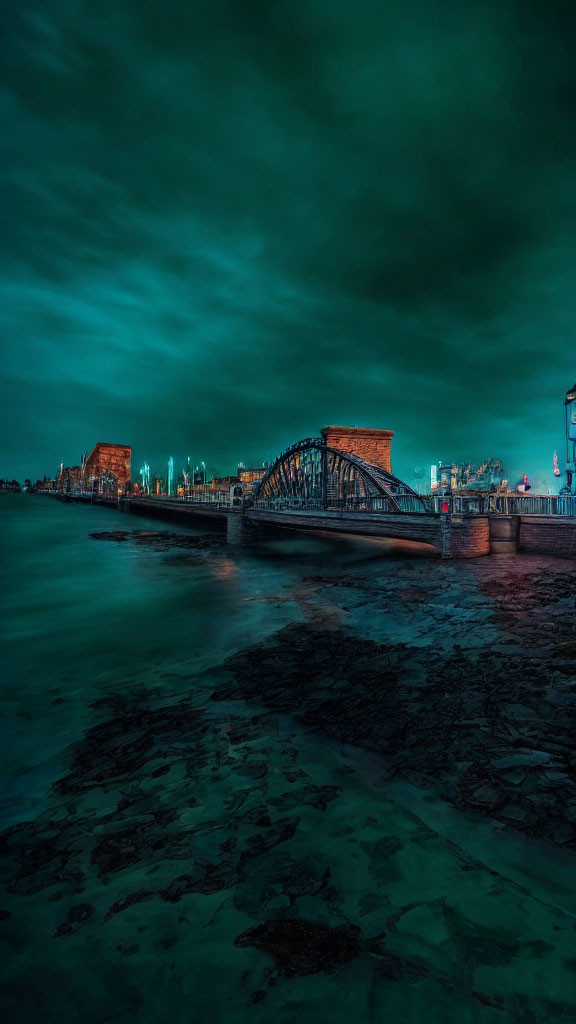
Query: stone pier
{"type": "Point", "coordinates": [241, 531]}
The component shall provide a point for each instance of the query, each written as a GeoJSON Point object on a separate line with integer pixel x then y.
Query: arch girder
{"type": "Point", "coordinates": [303, 465]}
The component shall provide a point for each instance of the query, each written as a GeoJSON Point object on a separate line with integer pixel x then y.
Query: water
{"type": "Point", "coordinates": [198, 740]}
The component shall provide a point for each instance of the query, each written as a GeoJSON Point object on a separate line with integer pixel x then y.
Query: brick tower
{"type": "Point", "coordinates": [369, 444]}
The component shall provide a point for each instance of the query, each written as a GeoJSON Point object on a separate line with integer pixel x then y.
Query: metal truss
{"type": "Point", "coordinates": [311, 474]}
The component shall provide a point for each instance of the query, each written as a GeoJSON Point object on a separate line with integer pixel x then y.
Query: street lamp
{"type": "Point", "coordinates": [570, 416]}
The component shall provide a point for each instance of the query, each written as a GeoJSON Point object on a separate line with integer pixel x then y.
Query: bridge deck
{"type": "Point", "coordinates": [468, 534]}
{"type": "Point", "coordinates": [185, 509]}
{"type": "Point", "coordinates": [374, 523]}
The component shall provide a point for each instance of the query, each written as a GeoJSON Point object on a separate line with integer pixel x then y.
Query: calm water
{"type": "Point", "coordinates": [197, 740]}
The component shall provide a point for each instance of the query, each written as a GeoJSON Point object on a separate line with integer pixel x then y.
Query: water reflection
{"type": "Point", "coordinates": [198, 739]}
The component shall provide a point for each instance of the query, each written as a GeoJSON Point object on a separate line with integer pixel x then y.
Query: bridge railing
{"type": "Point", "coordinates": [455, 504]}
{"type": "Point", "coordinates": [216, 499]}
{"type": "Point", "coordinates": [81, 492]}
{"type": "Point", "coordinates": [376, 503]}
{"type": "Point", "coordinates": [536, 504]}
{"type": "Point", "coordinates": [504, 504]}
{"type": "Point", "coordinates": [285, 504]}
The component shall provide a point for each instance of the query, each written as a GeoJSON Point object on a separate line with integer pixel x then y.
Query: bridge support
{"type": "Point", "coordinates": [446, 535]}
{"type": "Point", "coordinates": [464, 536]}
{"type": "Point", "coordinates": [503, 535]}
{"type": "Point", "coordinates": [240, 531]}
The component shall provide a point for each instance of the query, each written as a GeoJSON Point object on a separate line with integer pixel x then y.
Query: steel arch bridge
{"type": "Point", "coordinates": [310, 474]}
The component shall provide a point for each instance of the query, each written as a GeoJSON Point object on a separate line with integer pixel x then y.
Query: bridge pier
{"type": "Point", "coordinates": [464, 536]}
{"type": "Point", "coordinates": [240, 531]}
{"type": "Point", "coordinates": [446, 535]}
{"type": "Point", "coordinates": [503, 535]}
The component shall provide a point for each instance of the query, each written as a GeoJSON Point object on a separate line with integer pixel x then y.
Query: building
{"type": "Point", "coordinates": [69, 479]}
{"type": "Point", "coordinates": [367, 443]}
{"type": "Point", "coordinates": [108, 465]}
{"type": "Point", "coordinates": [250, 475]}
{"type": "Point", "coordinates": [108, 468]}
{"type": "Point", "coordinates": [490, 475]}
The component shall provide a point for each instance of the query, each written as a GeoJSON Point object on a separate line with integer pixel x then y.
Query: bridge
{"type": "Point", "coordinates": [342, 482]}
{"type": "Point", "coordinates": [314, 486]}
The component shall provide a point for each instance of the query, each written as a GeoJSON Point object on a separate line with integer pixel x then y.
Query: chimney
{"type": "Point", "coordinates": [369, 444]}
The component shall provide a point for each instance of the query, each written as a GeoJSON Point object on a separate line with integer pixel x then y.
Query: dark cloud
{"type": "Point", "coordinates": [227, 223]}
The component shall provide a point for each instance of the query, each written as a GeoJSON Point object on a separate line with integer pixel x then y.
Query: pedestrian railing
{"type": "Point", "coordinates": [505, 504]}
{"type": "Point", "coordinates": [438, 504]}
{"type": "Point", "coordinates": [374, 503]}
{"type": "Point", "coordinates": [402, 503]}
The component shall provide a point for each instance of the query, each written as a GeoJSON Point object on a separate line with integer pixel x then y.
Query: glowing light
{"type": "Point", "coordinates": [145, 474]}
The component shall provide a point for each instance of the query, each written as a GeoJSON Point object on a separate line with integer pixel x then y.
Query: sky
{"type": "Point", "coordinates": [228, 223]}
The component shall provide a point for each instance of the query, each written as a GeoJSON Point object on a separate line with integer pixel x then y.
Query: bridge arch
{"type": "Point", "coordinates": [311, 474]}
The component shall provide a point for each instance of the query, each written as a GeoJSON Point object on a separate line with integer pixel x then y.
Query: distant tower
{"type": "Point", "coordinates": [570, 423]}
{"type": "Point", "coordinates": [171, 475]}
{"type": "Point", "coordinates": [145, 475]}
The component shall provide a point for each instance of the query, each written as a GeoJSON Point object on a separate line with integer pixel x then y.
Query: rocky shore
{"type": "Point", "coordinates": [227, 831]}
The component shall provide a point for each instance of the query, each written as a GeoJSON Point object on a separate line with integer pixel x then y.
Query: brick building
{"type": "Point", "coordinates": [250, 474]}
{"type": "Point", "coordinates": [108, 460]}
{"type": "Point", "coordinates": [369, 444]}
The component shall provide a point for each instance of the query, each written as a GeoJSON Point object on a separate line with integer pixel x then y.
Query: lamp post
{"type": "Point", "coordinates": [570, 421]}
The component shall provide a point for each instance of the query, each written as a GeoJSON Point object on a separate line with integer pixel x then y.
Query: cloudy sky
{"type": "Point", "coordinates": [230, 222]}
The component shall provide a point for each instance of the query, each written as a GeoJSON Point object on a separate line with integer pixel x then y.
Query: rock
{"type": "Point", "coordinates": [270, 837]}
{"type": "Point", "coordinates": [76, 915]}
{"type": "Point", "coordinates": [278, 903]}
{"type": "Point", "coordinates": [301, 947]}
{"type": "Point", "coordinates": [128, 901]}
{"type": "Point", "coordinates": [369, 902]}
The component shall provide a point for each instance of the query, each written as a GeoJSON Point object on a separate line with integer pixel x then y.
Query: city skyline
{"type": "Point", "coordinates": [540, 469]}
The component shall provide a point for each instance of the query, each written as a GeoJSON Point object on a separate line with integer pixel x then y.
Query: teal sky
{"type": "Point", "coordinates": [228, 223]}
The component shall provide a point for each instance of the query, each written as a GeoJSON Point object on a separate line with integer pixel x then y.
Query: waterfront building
{"type": "Point", "coordinates": [108, 468]}
{"type": "Point", "coordinates": [490, 475]}
{"type": "Point", "coordinates": [105, 461]}
{"type": "Point", "coordinates": [69, 479]}
{"type": "Point", "coordinates": [250, 474]}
